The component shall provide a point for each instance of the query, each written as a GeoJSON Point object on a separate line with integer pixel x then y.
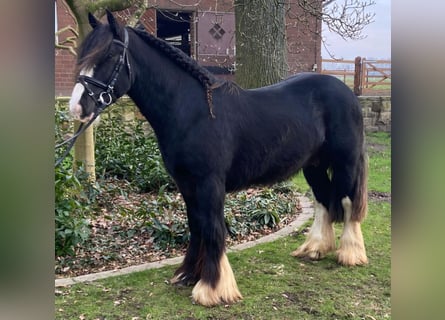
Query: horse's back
{"type": "Point", "coordinates": [307, 90]}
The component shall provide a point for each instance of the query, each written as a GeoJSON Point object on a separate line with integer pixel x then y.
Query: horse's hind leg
{"type": "Point", "coordinates": [320, 239]}
{"type": "Point", "coordinates": [352, 247]}
{"type": "Point", "coordinates": [348, 203]}
{"type": "Point", "coordinates": [354, 204]}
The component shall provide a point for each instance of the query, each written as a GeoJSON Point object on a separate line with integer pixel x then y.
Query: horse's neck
{"type": "Point", "coordinates": [157, 88]}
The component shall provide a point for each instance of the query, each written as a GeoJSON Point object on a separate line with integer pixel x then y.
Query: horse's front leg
{"type": "Point", "coordinates": [206, 254]}
{"type": "Point", "coordinates": [189, 272]}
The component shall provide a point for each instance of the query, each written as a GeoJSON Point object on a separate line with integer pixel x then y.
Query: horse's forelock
{"type": "Point", "coordinates": [93, 48]}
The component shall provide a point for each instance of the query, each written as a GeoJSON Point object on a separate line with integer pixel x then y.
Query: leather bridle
{"type": "Point", "coordinates": [104, 98]}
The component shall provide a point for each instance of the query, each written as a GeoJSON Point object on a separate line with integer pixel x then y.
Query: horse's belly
{"type": "Point", "coordinates": [261, 173]}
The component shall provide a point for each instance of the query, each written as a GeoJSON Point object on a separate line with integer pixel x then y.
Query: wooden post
{"type": "Point", "coordinates": [84, 146]}
{"type": "Point", "coordinates": [364, 81]}
{"type": "Point", "coordinates": [358, 76]}
{"type": "Point", "coordinates": [84, 151]}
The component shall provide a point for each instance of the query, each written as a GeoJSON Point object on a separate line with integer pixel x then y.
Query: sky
{"type": "Point", "coordinates": [376, 45]}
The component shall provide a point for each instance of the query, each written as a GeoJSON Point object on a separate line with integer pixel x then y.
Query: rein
{"type": "Point", "coordinates": [73, 139]}
{"type": "Point", "coordinates": [105, 98]}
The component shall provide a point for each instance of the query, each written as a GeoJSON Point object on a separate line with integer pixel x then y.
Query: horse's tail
{"type": "Point", "coordinates": [350, 180]}
{"type": "Point", "coordinates": [360, 192]}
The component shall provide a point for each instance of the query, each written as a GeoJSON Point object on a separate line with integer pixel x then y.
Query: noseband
{"type": "Point", "coordinates": [104, 98]}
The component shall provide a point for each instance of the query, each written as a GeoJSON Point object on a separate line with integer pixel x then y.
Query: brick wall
{"type": "Point", "coordinates": [303, 40]}
{"type": "Point", "coordinates": [64, 60]}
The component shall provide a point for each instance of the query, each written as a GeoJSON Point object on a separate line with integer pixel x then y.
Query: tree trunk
{"type": "Point", "coordinates": [84, 146]}
{"type": "Point", "coordinates": [260, 42]}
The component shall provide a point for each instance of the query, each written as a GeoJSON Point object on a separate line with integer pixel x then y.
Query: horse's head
{"type": "Point", "coordinates": [103, 69]}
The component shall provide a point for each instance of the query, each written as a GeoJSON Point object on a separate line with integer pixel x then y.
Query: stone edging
{"type": "Point", "coordinates": [304, 216]}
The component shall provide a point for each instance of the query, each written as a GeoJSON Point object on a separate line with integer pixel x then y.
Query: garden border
{"type": "Point", "coordinates": [305, 214]}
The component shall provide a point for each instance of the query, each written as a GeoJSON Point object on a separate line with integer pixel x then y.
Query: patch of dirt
{"type": "Point", "coordinates": [379, 196]}
{"type": "Point", "coordinates": [375, 147]}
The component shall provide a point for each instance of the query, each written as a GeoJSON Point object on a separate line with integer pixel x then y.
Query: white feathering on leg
{"type": "Point", "coordinates": [321, 239]}
{"type": "Point", "coordinates": [226, 290]}
{"type": "Point", "coordinates": [352, 247]}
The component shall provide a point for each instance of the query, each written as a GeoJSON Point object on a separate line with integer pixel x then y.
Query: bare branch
{"type": "Point", "coordinates": [131, 15]}
{"type": "Point", "coordinates": [98, 7]}
{"type": "Point", "coordinates": [328, 2]}
{"type": "Point", "coordinates": [347, 18]}
{"type": "Point", "coordinates": [70, 40]}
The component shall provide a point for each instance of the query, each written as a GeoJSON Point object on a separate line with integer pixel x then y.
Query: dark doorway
{"type": "Point", "coordinates": [174, 27]}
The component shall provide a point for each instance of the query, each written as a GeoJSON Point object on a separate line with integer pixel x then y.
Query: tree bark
{"type": "Point", "coordinates": [260, 42]}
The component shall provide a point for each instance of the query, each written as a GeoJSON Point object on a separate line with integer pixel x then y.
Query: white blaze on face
{"type": "Point", "coordinates": [78, 90]}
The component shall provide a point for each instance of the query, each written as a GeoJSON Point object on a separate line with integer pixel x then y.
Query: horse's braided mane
{"type": "Point", "coordinates": [205, 77]}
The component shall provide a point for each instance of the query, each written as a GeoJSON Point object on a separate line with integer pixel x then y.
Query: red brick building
{"type": "Point", "coordinates": [203, 29]}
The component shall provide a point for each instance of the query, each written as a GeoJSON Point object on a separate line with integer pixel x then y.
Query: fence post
{"type": "Point", "coordinates": [358, 76]}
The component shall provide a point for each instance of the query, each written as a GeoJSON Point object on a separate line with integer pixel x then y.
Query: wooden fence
{"type": "Point", "coordinates": [365, 77]}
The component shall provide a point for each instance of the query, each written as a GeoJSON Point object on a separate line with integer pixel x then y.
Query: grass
{"type": "Point", "coordinates": [275, 285]}
{"type": "Point", "coordinates": [379, 152]}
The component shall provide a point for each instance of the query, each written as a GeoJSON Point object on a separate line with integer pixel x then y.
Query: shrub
{"type": "Point", "coordinates": [246, 212]}
{"type": "Point", "coordinates": [71, 202]}
{"type": "Point", "coordinates": [166, 220]}
{"type": "Point", "coordinates": [124, 149]}
{"type": "Point", "coordinates": [71, 207]}
{"type": "Point", "coordinates": [266, 208]}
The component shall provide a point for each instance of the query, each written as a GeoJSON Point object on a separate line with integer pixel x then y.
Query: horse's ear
{"type": "Point", "coordinates": [114, 25]}
{"type": "Point", "coordinates": [139, 26]}
{"type": "Point", "coordinates": [94, 23]}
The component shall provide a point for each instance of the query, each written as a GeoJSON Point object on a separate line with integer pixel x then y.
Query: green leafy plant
{"type": "Point", "coordinates": [71, 207]}
{"type": "Point", "coordinates": [246, 212]}
{"type": "Point", "coordinates": [127, 150]}
{"type": "Point", "coordinates": [72, 193]}
{"type": "Point", "coordinates": [264, 217]}
{"type": "Point", "coordinates": [172, 230]}
{"type": "Point", "coordinates": [169, 234]}
{"type": "Point", "coordinates": [266, 208]}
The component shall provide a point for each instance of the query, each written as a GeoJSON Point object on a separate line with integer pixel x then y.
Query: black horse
{"type": "Point", "coordinates": [216, 137]}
